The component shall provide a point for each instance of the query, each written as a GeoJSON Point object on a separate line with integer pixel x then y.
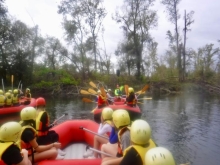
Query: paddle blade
{"type": "Point", "coordinates": [92, 91]}
{"type": "Point", "coordinates": [84, 92]}
{"type": "Point", "coordinates": [126, 90]}
{"type": "Point", "coordinates": [93, 84]}
{"type": "Point", "coordinates": [88, 100]}
{"type": "Point", "coordinates": [102, 89]}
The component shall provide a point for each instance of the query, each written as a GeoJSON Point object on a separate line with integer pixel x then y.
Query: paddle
{"type": "Point", "coordinates": [142, 90]}
{"type": "Point", "coordinates": [145, 98]}
{"type": "Point", "coordinates": [59, 119]}
{"type": "Point", "coordinates": [12, 80]}
{"type": "Point", "coordinates": [19, 84]}
{"type": "Point", "coordinates": [93, 149]}
{"type": "Point", "coordinates": [82, 128]}
{"type": "Point", "coordinates": [90, 90]}
{"type": "Point", "coordinates": [93, 84]}
{"type": "Point", "coordinates": [126, 90]}
{"type": "Point", "coordinates": [84, 92]}
{"type": "Point", "coordinates": [88, 100]}
{"type": "Point", "coordinates": [3, 86]}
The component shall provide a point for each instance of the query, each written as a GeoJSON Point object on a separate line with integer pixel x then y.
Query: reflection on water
{"type": "Point", "coordinates": [187, 124]}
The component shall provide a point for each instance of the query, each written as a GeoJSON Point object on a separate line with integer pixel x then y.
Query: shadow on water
{"type": "Point", "coordinates": [187, 124]}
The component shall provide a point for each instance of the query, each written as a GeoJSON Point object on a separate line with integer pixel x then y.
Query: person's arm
{"type": "Point", "coordinates": [105, 129]}
{"type": "Point", "coordinates": [40, 148]}
{"type": "Point", "coordinates": [113, 138]}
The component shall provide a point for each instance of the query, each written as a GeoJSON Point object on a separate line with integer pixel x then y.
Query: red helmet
{"type": "Point", "coordinates": [40, 101]}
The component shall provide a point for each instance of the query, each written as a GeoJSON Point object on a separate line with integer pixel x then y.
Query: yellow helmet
{"type": "Point", "coordinates": [130, 90]}
{"type": "Point", "coordinates": [120, 118]}
{"type": "Point", "coordinates": [140, 132]}
{"type": "Point", "coordinates": [10, 91]}
{"type": "Point", "coordinates": [28, 113]}
{"type": "Point", "coordinates": [10, 131]}
{"type": "Point", "coordinates": [1, 92]}
{"type": "Point", "coordinates": [107, 113]}
{"type": "Point", "coordinates": [15, 91]}
{"type": "Point", "coordinates": [28, 90]}
{"type": "Point", "coordinates": [7, 94]}
{"type": "Point", "coordinates": [98, 91]}
{"type": "Point", "coordinates": [159, 156]}
{"type": "Point", "coordinates": [109, 90]}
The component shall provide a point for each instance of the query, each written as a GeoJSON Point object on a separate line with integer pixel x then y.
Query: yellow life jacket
{"type": "Point", "coordinates": [24, 145]}
{"type": "Point", "coordinates": [120, 133]}
{"type": "Point", "coordinates": [39, 124]}
{"type": "Point", "coordinates": [15, 99]}
{"type": "Point", "coordinates": [141, 150]}
{"type": "Point", "coordinates": [2, 100]}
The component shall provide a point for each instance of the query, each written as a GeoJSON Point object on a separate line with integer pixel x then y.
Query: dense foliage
{"type": "Point", "coordinates": [46, 62]}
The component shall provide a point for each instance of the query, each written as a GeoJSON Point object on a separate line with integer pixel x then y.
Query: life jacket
{"type": "Point", "coordinates": [15, 99]}
{"type": "Point", "coordinates": [101, 100]}
{"type": "Point", "coordinates": [39, 124]}
{"type": "Point", "coordinates": [2, 100]}
{"type": "Point", "coordinates": [120, 133]}
{"type": "Point", "coordinates": [28, 96]}
{"type": "Point", "coordinates": [141, 150]}
{"type": "Point", "coordinates": [8, 100]}
{"type": "Point", "coordinates": [24, 145]}
{"type": "Point", "coordinates": [117, 92]}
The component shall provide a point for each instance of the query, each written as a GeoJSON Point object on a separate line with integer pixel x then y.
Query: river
{"type": "Point", "coordinates": [188, 124]}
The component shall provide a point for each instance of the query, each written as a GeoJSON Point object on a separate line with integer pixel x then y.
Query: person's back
{"type": "Point", "coordinates": [15, 98]}
{"type": "Point", "coordinates": [9, 134]}
{"type": "Point", "coordinates": [8, 99]}
{"type": "Point", "coordinates": [131, 98]}
{"type": "Point", "coordinates": [140, 134]}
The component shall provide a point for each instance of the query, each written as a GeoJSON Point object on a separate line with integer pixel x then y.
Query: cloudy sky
{"type": "Point", "coordinates": [205, 30]}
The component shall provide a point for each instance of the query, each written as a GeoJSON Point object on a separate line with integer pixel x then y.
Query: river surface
{"type": "Point", "coordinates": [187, 124]}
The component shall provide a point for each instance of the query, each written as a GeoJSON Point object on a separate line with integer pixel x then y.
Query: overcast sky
{"type": "Point", "coordinates": [205, 30]}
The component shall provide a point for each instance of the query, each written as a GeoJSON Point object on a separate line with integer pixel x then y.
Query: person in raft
{"type": "Point", "coordinates": [9, 135]}
{"type": "Point", "coordinates": [131, 99]}
{"type": "Point", "coordinates": [44, 135]}
{"type": "Point", "coordinates": [28, 141]}
{"type": "Point", "coordinates": [104, 129]}
{"type": "Point", "coordinates": [121, 121]}
{"type": "Point", "coordinates": [140, 134]}
{"type": "Point", "coordinates": [159, 155]}
{"type": "Point", "coordinates": [27, 96]}
{"type": "Point", "coordinates": [101, 100]}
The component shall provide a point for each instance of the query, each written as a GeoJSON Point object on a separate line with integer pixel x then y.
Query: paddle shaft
{"type": "Point", "coordinates": [93, 149]}
{"type": "Point", "coordinates": [3, 86]}
{"type": "Point", "coordinates": [93, 132]}
{"type": "Point", "coordinates": [59, 118]}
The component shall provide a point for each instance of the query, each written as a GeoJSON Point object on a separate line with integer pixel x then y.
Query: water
{"type": "Point", "coordinates": [187, 124]}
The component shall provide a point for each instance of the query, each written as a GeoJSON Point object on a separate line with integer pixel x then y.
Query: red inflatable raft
{"type": "Point", "coordinates": [16, 109]}
{"type": "Point", "coordinates": [134, 112]}
{"type": "Point", "coordinates": [74, 142]}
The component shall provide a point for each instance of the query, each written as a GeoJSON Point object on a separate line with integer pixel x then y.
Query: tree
{"type": "Point", "coordinates": [82, 23]}
{"type": "Point", "coordinates": [137, 19]}
{"type": "Point", "coordinates": [173, 16]}
{"type": "Point", "coordinates": [187, 22]}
